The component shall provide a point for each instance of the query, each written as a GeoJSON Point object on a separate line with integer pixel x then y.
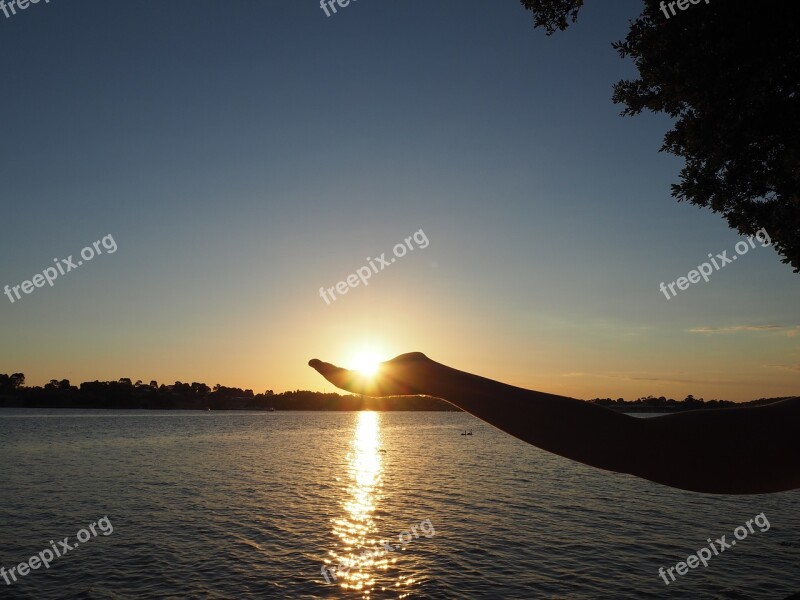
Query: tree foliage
{"type": "Point", "coordinates": [728, 73]}
{"type": "Point", "coordinates": [9, 383]}
{"type": "Point", "coordinates": [553, 15]}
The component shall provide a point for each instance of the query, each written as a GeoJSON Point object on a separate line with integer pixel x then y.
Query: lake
{"type": "Point", "coordinates": [268, 505]}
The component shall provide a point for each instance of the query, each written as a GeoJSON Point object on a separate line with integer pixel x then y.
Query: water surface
{"type": "Point", "coordinates": [254, 505]}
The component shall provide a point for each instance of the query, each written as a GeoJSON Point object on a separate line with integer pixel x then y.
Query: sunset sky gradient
{"type": "Point", "coordinates": [245, 154]}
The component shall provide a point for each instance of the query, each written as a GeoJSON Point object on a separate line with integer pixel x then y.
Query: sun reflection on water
{"type": "Point", "coordinates": [359, 555]}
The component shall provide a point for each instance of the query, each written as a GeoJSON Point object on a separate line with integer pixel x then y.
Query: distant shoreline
{"type": "Point", "coordinates": [243, 410]}
{"type": "Point", "coordinates": [127, 395]}
{"type": "Point", "coordinates": [303, 401]}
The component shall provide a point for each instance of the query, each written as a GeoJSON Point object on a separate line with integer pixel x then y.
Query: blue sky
{"type": "Point", "coordinates": [245, 154]}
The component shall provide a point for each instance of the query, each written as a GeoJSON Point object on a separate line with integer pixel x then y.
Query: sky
{"type": "Point", "coordinates": [243, 155]}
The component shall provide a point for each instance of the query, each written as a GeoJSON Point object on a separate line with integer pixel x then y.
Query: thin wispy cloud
{"type": "Point", "coordinates": [665, 378]}
{"type": "Point", "coordinates": [785, 367]}
{"type": "Point", "coordinates": [736, 328]}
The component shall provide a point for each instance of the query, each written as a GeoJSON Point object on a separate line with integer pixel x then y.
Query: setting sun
{"type": "Point", "coordinates": [366, 357]}
{"type": "Point", "coordinates": [366, 363]}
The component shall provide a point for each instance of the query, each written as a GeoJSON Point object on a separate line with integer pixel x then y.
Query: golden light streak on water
{"type": "Point", "coordinates": [359, 554]}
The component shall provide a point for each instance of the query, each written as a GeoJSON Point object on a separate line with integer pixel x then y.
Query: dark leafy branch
{"type": "Point", "coordinates": [728, 74]}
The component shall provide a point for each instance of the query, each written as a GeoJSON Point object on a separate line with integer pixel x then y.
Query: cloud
{"type": "Point", "coordinates": [682, 378]}
{"type": "Point", "coordinates": [735, 328]}
{"type": "Point", "coordinates": [644, 376]}
{"type": "Point", "coordinates": [786, 367]}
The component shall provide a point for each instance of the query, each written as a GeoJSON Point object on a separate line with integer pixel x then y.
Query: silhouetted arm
{"type": "Point", "coordinates": [726, 451]}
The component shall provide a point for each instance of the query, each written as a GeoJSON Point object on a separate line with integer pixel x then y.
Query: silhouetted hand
{"type": "Point", "coordinates": [404, 375]}
{"type": "Point", "coordinates": [747, 450]}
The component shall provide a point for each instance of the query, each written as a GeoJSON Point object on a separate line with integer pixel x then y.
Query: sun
{"type": "Point", "coordinates": [365, 357]}
{"type": "Point", "coordinates": [366, 363]}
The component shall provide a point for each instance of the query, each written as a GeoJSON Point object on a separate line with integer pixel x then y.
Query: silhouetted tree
{"type": "Point", "coordinates": [181, 388]}
{"type": "Point", "coordinates": [10, 383]}
{"type": "Point", "coordinates": [728, 75]}
{"type": "Point", "coordinates": [200, 389]}
{"type": "Point", "coordinates": [553, 14]}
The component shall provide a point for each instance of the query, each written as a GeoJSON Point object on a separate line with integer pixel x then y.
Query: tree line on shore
{"type": "Point", "coordinates": [663, 404]}
{"type": "Point", "coordinates": [126, 394]}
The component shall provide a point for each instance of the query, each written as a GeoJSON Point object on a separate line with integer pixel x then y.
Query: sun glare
{"type": "Point", "coordinates": [365, 357]}
{"type": "Point", "coordinates": [367, 363]}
